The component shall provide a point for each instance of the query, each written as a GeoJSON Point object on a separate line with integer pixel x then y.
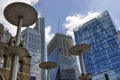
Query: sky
{"type": "Point", "coordinates": [64, 15]}
{"type": "Point", "coordinates": [70, 13]}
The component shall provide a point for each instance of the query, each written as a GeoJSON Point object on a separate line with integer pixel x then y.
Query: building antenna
{"type": "Point", "coordinates": [58, 25]}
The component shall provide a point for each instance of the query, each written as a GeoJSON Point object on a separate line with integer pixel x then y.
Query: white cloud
{"type": "Point", "coordinates": [76, 20]}
{"type": "Point", "coordinates": [48, 34]}
{"type": "Point", "coordinates": [12, 29]}
{"type": "Point", "coordinates": [111, 6]}
{"type": "Point", "coordinates": [6, 2]}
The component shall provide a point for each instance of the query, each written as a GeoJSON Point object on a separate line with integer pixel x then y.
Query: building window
{"type": "Point", "coordinates": [1, 77]}
{"type": "Point", "coordinates": [18, 78]}
{"type": "Point", "coordinates": [3, 61]}
{"type": "Point", "coordinates": [20, 66]}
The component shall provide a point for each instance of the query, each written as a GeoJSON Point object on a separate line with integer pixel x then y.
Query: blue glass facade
{"type": "Point", "coordinates": [58, 52]}
{"type": "Point", "coordinates": [65, 69]}
{"type": "Point", "coordinates": [35, 43]}
{"type": "Point", "coordinates": [104, 57]}
{"type": "Point", "coordinates": [55, 58]}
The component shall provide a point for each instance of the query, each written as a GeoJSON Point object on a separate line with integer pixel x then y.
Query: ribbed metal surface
{"type": "Point", "coordinates": [18, 9]}
{"type": "Point", "coordinates": [15, 50]}
{"type": "Point", "coordinates": [48, 65]}
{"type": "Point", "coordinates": [78, 49]}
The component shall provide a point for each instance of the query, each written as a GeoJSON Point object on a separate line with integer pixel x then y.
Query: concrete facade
{"type": "Point", "coordinates": [5, 71]}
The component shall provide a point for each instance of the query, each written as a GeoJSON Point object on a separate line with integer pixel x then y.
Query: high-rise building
{"type": "Point", "coordinates": [58, 52]}
{"type": "Point", "coordinates": [40, 27]}
{"type": "Point", "coordinates": [104, 57]}
{"type": "Point", "coordinates": [34, 43]}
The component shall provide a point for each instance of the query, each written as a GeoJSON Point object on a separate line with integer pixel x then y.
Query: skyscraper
{"type": "Point", "coordinates": [104, 58]}
{"type": "Point", "coordinates": [34, 43]}
{"type": "Point", "coordinates": [40, 27]}
{"type": "Point", "coordinates": [58, 52]}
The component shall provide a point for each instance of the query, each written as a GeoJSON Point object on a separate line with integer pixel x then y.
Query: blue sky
{"type": "Point", "coordinates": [71, 13]}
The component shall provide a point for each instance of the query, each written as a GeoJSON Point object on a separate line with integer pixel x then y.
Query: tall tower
{"type": "Point", "coordinates": [40, 27]}
{"type": "Point", "coordinates": [32, 43]}
{"type": "Point", "coordinates": [62, 42]}
{"type": "Point", "coordinates": [35, 43]}
{"type": "Point", "coordinates": [104, 56]}
{"type": "Point", "coordinates": [58, 52]}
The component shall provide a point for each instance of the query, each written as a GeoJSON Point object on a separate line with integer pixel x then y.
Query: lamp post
{"type": "Point", "coordinates": [81, 49]}
{"type": "Point", "coordinates": [106, 76]}
{"type": "Point", "coordinates": [21, 15]}
{"type": "Point", "coordinates": [48, 65]}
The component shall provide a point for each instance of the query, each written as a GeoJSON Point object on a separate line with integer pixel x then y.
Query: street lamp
{"type": "Point", "coordinates": [21, 15]}
{"type": "Point", "coordinates": [106, 76]}
{"type": "Point", "coordinates": [81, 49]}
{"type": "Point", "coordinates": [48, 65]}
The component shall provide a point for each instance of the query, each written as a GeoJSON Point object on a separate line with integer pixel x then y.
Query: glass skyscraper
{"type": "Point", "coordinates": [40, 27]}
{"type": "Point", "coordinates": [34, 43]}
{"type": "Point", "coordinates": [58, 52]}
{"type": "Point", "coordinates": [103, 37]}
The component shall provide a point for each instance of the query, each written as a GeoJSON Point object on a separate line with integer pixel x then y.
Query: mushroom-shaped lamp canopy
{"type": "Point", "coordinates": [2, 45]}
{"type": "Point", "coordinates": [48, 65]}
{"type": "Point", "coordinates": [79, 49]}
{"type": "Point", "coordinates": [15, 50]}
{"type": "Point", "coordinates": [18, 9]}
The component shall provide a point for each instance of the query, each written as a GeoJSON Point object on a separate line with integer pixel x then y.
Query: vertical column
{"type": "Point", "coordinates": [19, 31]}
{"type": "Point", "coordinates": [13, 73]}
{"type": "Point", "coordinates": [15, 58]}
{"type": "Point", "coordinates": [48, 74]}
{"type": "Point", "coordinates": [82, 64]}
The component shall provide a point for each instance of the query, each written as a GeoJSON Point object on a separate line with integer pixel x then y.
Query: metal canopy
{"type": "Point", "coordinates": [15, 50]}
{"type": "Point", "coordinates": [18, 9]}
{"type": "Point", "coordinates": [78, 49]}
{"type": "Point", "coordinates": [48, 65]}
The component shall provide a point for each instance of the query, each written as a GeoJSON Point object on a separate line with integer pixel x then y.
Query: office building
{"type": "Point", "coordinates": [34, 43]}
{"type": "Point", "coordinates": [40, 27]}
{"type": "Point", "coordinates": [103, 37]}
{"type": "Point", "coordinates": [58, 52]}
{"type": "Point", "coordinates": [34, 40]}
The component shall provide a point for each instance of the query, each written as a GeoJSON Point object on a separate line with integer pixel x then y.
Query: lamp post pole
{"type": "Point", "coordinates": [47, 66]}
{"type": "Point", "coordinates": [24, 13]}
{"type": "Point", "coordinates": [81, 49]}
{"type": "Point", "coordinates": [15, 59]}
{"type": "Point", "coordinates": [82, 64]}
{"type": "Point", "coordinates": [19, 31]}
{"type": "Point", "coordinates": [48, 74]}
